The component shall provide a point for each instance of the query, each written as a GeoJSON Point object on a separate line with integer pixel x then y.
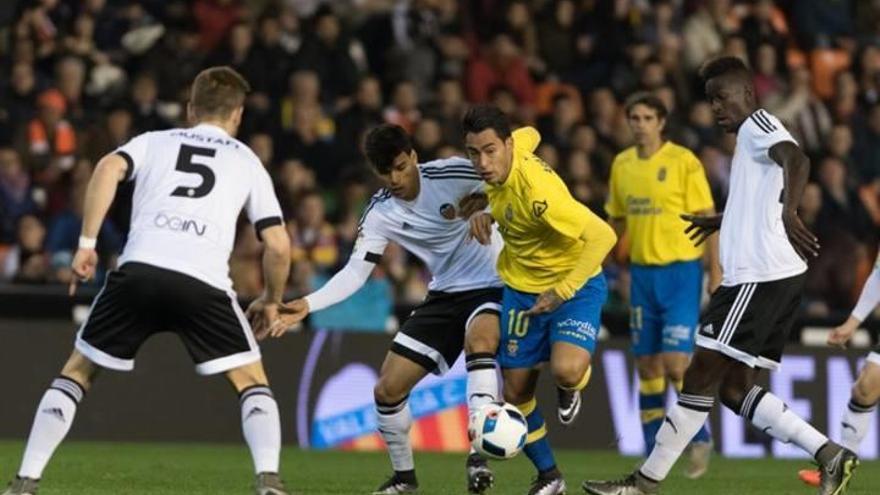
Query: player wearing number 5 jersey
{"type": "Point", "coordinates": [190, 186]}
{"type": "Point", "coordinates": [551, 267]}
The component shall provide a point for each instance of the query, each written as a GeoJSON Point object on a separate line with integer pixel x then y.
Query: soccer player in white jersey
{"type": "Point", "coordinates": [763, 246]}
{"type": "Point", "coordinates": [862, 407]}
{"type": "Point", "coordinates": [190, 186]}
{"type": "Point", "coordinates": [420, 209]}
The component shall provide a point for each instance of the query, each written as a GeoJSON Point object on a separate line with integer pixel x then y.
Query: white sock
{"type": "Point", "coordinates": [682, 422]}
{"type": "Point", "coordinates": [855, 424]}
{"type": "Point", "coordinates": [482, 381]}
{"type": "Point", "coordinates": [769, 414]}
{"type": "Point", "coordinates": [52, 422]}
{"type": "Point", "coordinates": [395, 421]}
{"type": "Point", "coordinates": [261, 425]}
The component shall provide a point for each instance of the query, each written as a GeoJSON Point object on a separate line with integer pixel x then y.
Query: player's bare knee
{"type": "Point", "coordinates": [80, 369]}
{"type": "Point", "coordinates": [675, 373]}
{"type": "Point", "coordinates": [649, 367]}
{"type": "Point", "coordinates": [246, 376]}
{"type": "Point", "coordinates": [480, 340]}
{"type": "Point", "coordinates": [866, 390]}
{"type": "Point", "coordinates": [569, 373]}
{"type": "Point", "coordinates": [385, 392]}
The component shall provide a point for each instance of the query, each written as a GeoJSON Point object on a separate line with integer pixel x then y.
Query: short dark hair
{"type": "Point", "coordinates": [481, 117]}
{"type": "Point", "coordinates": [724, 65]}
{"type": "Point", "coordinates": [217, 91]}
{"type": "Point", "coordinates": [650, 100]}
{"type": "Point", "coordinates": [383, 144]}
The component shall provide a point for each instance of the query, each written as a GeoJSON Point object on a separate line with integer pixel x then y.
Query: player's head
{"type": "Point", "coordinates": [646, 116]}
{"type": "Point", "coordinates": [729, 90]}
{"type": "Point", "coordinates": [389, 150]}
{"type": "Point", "coordinates": [217, 96]}
{"type": "Point", "coordinates": [489, 143]}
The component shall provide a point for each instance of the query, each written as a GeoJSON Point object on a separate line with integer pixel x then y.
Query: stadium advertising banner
{"type": "Point", "coordinates": [323, 382]}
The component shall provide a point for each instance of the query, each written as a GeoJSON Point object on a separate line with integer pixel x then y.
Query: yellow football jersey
{"type": "Point", "coordinates": [540, 221]}
{"type": "Point", "coordinates": [651, 194]}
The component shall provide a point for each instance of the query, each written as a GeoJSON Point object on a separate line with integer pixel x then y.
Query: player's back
{"type": "Point", "coordinates": [190, 187]}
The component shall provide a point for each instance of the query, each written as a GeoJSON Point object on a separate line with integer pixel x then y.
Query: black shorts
{"type": "Point", "coordinates": [751, 322]}
{"type": "Point", "coordinates": [139, 300]}
{"type": "Point", "coordinates": [433, 335]}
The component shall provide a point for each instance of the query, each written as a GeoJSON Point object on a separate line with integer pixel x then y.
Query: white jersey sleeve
{"type": "Point", "coordinates": [262, 205]}
{"type": "Point", "coordinates": [339, 288]}
{"type": "Point", "coordinates": [870, 296]}
{"type": "Point", "coordinates": [134, 152]}
{"type": "Point", "coordinates": [767, 131]}
{"type": "Point", "coordinates": [372, 237]}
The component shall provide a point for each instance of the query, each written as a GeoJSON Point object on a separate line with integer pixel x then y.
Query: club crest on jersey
{"type": "Point", "coordinates": [508, 213]}
{"type": "Point", "coordinates": [539, 207]}
{"type": "Point", "coordinates": [447, 211]}
{"type": "Point", "coordinates": [661, 175]}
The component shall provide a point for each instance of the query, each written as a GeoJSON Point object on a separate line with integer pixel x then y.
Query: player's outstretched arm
{"type": "Point", "coordinates": [339, 288]}
{"type": "Point", "coordinates": [868, 300]}
{"type": "Point", "coordinates": [100, 192]}
{"type": "Point", "coordinates": [796, 172]}
{"type": "Point", "coordinates": [276, 268]}
{"type": "Point", "coordinates": [701, 227]}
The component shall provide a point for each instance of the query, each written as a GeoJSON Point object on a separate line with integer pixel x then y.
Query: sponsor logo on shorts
{"type": "Point", "coordinates": [578, 329]}
{"type": "Point", "coordinates": [673, 334]}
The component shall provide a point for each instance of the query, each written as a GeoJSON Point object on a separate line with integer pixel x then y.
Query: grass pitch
{"type": "Point", "coordinates": [201, 469]}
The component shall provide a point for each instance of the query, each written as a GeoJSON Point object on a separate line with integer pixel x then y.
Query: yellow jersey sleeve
{"type": "Point", "coordinates": [698, 195]}
{"type": "Point", "coordinates": [526, 138]}
{"type": "Point", "coordinates": [614, 207]}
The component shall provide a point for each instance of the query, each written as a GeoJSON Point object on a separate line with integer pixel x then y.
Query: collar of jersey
{"type": "Point", "coordinates": [212, 127]}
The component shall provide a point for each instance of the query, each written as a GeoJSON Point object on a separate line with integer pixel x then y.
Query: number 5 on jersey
{"type": "Point", "coordinates": [185, 164]}
{"type": "Point", "coordinates": [517, 323]}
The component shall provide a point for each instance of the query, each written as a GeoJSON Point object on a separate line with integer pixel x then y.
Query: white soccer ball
{"type": "Point", "coordinates": [498, 430]}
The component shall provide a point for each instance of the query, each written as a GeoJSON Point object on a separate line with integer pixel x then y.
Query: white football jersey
{"type": "Point", "coordinates": [190, 187]}
{"type": "Point", "coordinates": [754, 246]}
{"type": "Point", "coordinates": [429, 227]}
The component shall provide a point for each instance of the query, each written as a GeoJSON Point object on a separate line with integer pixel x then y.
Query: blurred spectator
{"type": "Point", "coordinates": [313, 240]}
{"type": "Point", "coordinates": [337, 59]}
{"type": "Point", "coordinates": [145, 102]}
{"type": "Point", "coordinates": [27, 262]}
{"type": "Point", "coordinates": [705, 30]}
{"type": "Point", "coordinates": [49, 142]}
{"type": "Point", "coordinates": [502, 65]}
{"type": "Point", "coordinates": [365, 113]}
{"type": "Point", "coordinates": [215, 19]}
{"type": "Point", "coordinates": [16, 198]}
{"type": "Point", "coordinates": [427, 139]}
{"type": "Point", "coordinates": [404, 109]}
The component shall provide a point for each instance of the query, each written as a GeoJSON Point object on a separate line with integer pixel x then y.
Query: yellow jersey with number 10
{"type": "Point", "coordinates": [540, 221]}
{"type": "Point", "coordinates": [651, 194]}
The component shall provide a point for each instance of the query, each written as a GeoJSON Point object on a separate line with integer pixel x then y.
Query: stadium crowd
{"type": "Point", "coordinates": [81, 77]}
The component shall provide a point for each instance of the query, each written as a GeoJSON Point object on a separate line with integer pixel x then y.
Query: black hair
{"type": "Point", "coordinates": [383, 144]}
{"type": "Point", "coordinates": [650, 100]}
{"type": "Point", "coordinates": [481, 117]}
{"type": "Point", "coordinates": [725, 65]}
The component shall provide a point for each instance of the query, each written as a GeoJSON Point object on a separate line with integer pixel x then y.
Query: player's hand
{"type": "Point", "coordinates": [294, 312]}
{"type": "Point", "coordinates": [802, 240]}
{"type": "Point", "coordinates": [701, 227]}
{"type": "Point", "coordinates": [472, 203]}
{"type": "Point", "coordinates": [85, 261]}
{"type": "Point", "coordinates": [546, 302]}
{"type": "Point", "coordinates": [481, 228]}
{"type": "Point", "coordinates": [263, 316]}
{"type": "Point", "coordinates": [841, 334]}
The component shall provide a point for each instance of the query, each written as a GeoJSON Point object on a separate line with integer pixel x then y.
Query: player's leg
{"type": "Point", "coordinates": [575, 323]}
{"type": "Point", "coordinates": [862, 405]}
{"type": "Point", "coordinates": [53, 419]}
{"type": "Point", "coordinates": [519, 389]}
{"type": "Point", "coordinates": [260, 424]}
{"type": "Point", "coordinates": [480, 346]}
{"type": "Point", "coordinates": [652, 396]}
{"type": "Point", "coordinates": [397, 378]}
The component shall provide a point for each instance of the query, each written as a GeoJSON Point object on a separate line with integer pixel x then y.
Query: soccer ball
{"type": "Point", "coordinates": [498, 430]}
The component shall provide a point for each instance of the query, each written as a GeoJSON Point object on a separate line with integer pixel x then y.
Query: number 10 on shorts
{"type": "Point", "coordinates": [517, 323]}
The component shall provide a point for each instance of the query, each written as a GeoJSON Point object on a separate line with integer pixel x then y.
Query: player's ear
{"type": "Point", "coordinates": [413, 156]}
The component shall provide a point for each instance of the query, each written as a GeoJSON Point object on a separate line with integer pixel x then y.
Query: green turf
{"type": "Point", "coordinates": [154, 469]}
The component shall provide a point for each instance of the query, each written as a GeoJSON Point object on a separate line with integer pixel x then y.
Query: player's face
{"type": "Point", "coordinates": [645, 125]}
{"type": "Point", "coordinates": [490, 155]}
{"type": "Point", "coordinates": [731, 101]}
{"type": "Point", "coordinates": [403, 178]}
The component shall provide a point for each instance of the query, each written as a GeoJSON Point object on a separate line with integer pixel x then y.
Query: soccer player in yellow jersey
{"type": "Point", "coordinates": [551, 265]}
{"type": "Point", "coordinates": [652, 185]}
